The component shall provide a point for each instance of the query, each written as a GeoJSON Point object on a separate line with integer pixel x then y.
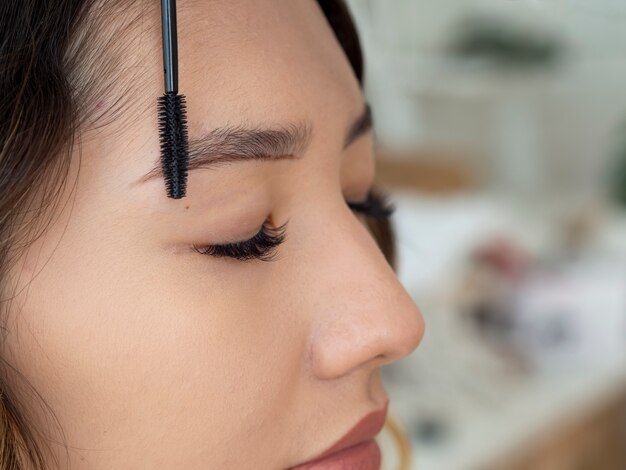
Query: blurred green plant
{"type": "Point", "coordinates": [617, 170]}
{"type": "Point", "coordinates": [505, 43]}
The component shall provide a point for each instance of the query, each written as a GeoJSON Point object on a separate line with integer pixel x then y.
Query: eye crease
{"type": "Point", "coordinates": [264, 244]}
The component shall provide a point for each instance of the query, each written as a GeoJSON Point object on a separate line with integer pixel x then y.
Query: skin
{"type": "Point", "coordinates": [155, 356]}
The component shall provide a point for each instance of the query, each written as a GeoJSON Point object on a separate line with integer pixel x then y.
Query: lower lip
{"type": "Point", "coordinates": [365, 456]}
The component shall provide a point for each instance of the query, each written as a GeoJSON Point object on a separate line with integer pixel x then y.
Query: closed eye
{"type": "Point", "coordinates": [376, 206]}
{"type": "Point", "coordinates": [263, 246]}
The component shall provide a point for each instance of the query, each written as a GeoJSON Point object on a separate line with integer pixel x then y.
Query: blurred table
{"type": "Point", "coordinates": [572, 419]}
{"type": "Point", "coordinates": [553, 423]}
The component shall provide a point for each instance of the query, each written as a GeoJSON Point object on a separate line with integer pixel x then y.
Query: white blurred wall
{"type": "Point", "coordinates": [550, 130]}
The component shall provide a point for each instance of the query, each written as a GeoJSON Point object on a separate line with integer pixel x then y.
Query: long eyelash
{"type": "Point", "coordinates": [262, 246]}
{"type": "Point", "coordinates": [376, 206]}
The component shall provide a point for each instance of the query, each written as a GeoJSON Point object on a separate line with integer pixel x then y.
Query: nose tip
{"type": "Point", "coordinates": [405, 331]}
{"type": "Point", "coordinates": [414, 332]}
{"type": "Point", "coordinates": [376, 333]}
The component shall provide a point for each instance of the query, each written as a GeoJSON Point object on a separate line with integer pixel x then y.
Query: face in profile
{"type": "Point", "coordinates": [158, 337]}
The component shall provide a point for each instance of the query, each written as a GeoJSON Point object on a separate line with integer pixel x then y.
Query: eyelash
{"type": "Point", "coordinates": [263, 245]}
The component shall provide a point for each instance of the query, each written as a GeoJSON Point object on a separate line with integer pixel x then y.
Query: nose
{"type": "Point", "coordinates": [363, 315]}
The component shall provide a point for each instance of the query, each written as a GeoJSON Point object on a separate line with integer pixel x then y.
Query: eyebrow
{"type": "Point", "coordinates": [238, 144]}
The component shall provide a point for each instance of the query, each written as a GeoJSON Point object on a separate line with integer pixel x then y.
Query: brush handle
{"type": "Point", "coordinates": [170, 45]}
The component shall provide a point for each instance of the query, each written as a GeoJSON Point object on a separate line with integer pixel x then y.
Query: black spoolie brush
{"type": "Point", "coordinates": [172, 112]}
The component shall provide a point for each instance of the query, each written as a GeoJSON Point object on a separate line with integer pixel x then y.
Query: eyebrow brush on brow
{"type": "Point", "coordinates": [172, 110]}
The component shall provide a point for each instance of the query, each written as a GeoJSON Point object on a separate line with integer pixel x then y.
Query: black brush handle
{"type": "Point", "coordinates": [170, 45]}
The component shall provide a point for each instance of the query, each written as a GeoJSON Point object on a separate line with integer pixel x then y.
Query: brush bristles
{"type": "Point", "coordinates": [174, 144]}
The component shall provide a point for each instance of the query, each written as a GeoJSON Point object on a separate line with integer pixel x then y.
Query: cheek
{"type": "Point", "coordinates": [145, 344]}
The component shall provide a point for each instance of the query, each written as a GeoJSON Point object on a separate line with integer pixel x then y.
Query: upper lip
{"type": "Point", "coordinates": [364, 430]}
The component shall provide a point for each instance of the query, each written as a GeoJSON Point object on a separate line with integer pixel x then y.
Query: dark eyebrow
{"type": "Point", "coordinates": [237, 144]}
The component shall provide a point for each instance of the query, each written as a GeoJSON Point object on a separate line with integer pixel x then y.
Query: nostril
{"type": "Point", "coordinates": [380, 358]}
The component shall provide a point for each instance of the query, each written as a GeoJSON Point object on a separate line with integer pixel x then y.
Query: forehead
{"type": "Point", "coordinates": [263, 63]}
{"type": "Point", "coordinates": [260, 61]}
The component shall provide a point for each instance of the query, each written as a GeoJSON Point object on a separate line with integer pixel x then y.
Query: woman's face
{"type": "Point", "coordinates": [153, 355]}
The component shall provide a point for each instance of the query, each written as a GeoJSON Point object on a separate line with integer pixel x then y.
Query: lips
{"type": "Point", "coordinates": [364, 456]}
{"type": "Point", "coordinates": [357, 449]}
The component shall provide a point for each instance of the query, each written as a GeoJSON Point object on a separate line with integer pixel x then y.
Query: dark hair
{"type": "Point", "coordinates": [44, 52]}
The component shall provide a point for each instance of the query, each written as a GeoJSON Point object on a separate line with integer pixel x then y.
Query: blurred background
{"type": "Point", "coordinates": [501, 137]}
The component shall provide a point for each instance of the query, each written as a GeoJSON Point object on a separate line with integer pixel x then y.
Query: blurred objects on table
{"type": "Point", "coordinates": [500, 134]}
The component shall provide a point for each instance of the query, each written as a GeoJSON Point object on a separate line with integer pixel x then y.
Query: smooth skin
{"type": "Point", "coordinates": [155, 356]}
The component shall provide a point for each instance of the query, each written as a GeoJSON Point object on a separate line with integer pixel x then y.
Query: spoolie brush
{"type": "Point", "coordinates": [172, 111]}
